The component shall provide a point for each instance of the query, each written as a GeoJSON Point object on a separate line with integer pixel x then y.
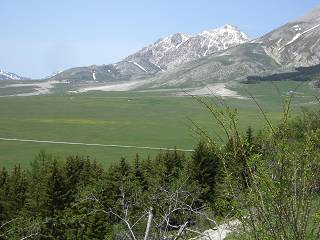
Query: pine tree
{"type": "Point", "coordinates": [73, 168]}
{"type": "Point", "coordinates": [96, 227]}
{"type": "Point", "coordinates": [4, 204]}
{"type": "Point", "coordinates": [204, 168]}
{"type": "Point", "coordinates": [54, 228]}
{"type": "Point", "coordinates": [124, 168]}
{"type": "Point", "coordinates": [17, 188]}
{"type": "Point", "coordinates": [56, 190]}
{"type": "Point", "coordinates": [173, 161]}
{"type": "Point", "coordinates": [138, 172]}
{"type": "Point", "coordinates": [37, 190]}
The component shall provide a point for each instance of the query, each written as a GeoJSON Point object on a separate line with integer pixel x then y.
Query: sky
{"type": "Point", "coordinates": [40, 37]}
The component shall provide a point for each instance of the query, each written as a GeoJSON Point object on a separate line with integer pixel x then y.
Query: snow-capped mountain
{"type": "Point", "coordinates": [276, 54]}
{"type": "Point", "coordinates": [10, 76]}
{"type": "Point", "coordinates": [218, 55]}
{"type": "Point", "coordinates": [180, 48]}
{"type": "Point", "coordinates": [296, 43]}
{"type": "Point", "coordinates": [233, 64]}
{"type": "Point", "coordinates": [164, 54]}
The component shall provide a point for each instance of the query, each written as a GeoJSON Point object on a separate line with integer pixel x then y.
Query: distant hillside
{"type": "Point", "coordinates": [233, 64]}
{"type": "Point", "coordinates": [10, 76]}
{"type": "Point", "coordinates": [225, 54]}
{"type": "Point", "coordinates": [297, 43]}
{"type": "Point", "coordinates": [299, 74]}
{"type": "Point", "coordinates": [181, 48]}
{"type": "Point", "coordinates": [279, 55]}
{"type": "Point", "coordinates": [156, 58]}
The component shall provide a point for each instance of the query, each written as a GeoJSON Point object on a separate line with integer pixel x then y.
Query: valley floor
{"type": "Point", "coordinates": [154, 119]}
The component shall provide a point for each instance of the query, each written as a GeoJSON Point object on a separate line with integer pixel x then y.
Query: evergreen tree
{"type": "Point", "coordinates": [54, 228]}
{"type": "Point", "coordinates": [4, 204]}
{"type": "Point", "coordinates": [139, 174]}
{"type": "Point", "coordinates": [124, 168]}
{"type": "Point", "coordinates": [73, 168]}
{"type": "Point", "coordinates": [56, 190]}
{"type": "Point", "coordinates": [204, 168]}
{"type": "Point", "coordinates": [174, 162]}
{"type": "Point", "coordinates": [17, 188]}
{"type": "Point", "coordinates": [96, 226]}
{"type": "Point", "coordinates": [37, 190]}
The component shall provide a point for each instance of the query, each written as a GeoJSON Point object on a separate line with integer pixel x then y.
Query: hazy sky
{"type": "Point", "coordinates": [40, 37]}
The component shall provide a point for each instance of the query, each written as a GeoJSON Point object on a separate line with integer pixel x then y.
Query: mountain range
{"type": "Point", "coordinates": [219, 55]}
{"type": "Point", "coordinates": [10, 76]}
{"type": "Point", "coordinates": [293, 45]}
{"type": "Point", "coordinates": [165, 54]}
{"type": "Point", "coordinates": [180, 48]}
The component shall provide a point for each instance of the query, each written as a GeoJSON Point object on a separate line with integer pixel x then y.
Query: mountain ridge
{"type": "Point", "coordinates": [295, 44]}
{"type": "Point", "coordinates": [179, 48]}
{"type": "Point", "coordinates": [163, 54]}
{"type": "Point", "coordinates": [218, 55]}
{"type": "Point", "coordinates": [10, 76]}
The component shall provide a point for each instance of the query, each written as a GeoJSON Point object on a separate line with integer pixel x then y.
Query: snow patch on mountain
{"type": "Point", "coordinates": [296, 28]}
{"type": "Point", "coordinates": [298, 35]}
{"type": "Point", "coordinates": [9, 76]}
{"type": "Point", "coordinates": [295, 44]}
{"type": "Point", "coordinates": [138, 65]}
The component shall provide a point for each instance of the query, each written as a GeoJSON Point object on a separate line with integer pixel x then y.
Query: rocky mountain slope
{"type": "Point", "coordinates": [297, 43]}
{"type": "Point", "coordinates": [10, 76]}
{"type": "Point", "coordinates": [278, 53]}
{"type": "Point", "coordinates": [180, 48]}
{"type": "Point", "coordinates": [121, 71]}
{"type": "Point", "coordinates": [229, 65]}
{"type": "Point", "coordinates": [164, 54]}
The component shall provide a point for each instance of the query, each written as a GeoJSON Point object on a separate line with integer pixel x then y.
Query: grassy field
{"type": "Point", "coordinates": [126, 118]}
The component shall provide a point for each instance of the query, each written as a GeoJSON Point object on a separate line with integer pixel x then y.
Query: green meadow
{"type": "Point", "coordinates": [152, 119]}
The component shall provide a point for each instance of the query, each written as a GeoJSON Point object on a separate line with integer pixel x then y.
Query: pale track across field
{"type": "Point", "coordinates": [94, 144]}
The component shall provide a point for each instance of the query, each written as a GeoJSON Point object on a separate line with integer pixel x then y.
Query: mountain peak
{"type": "Point", "coordinates": [229, 26]}
{"type": "Point", "coordinates": [294, 44]}
{"type": "Point", "coordinates": [227, 29]}
{"type": "Point", "coordinates": [179, 34]}
{"type": "Point", "coordinates": [222, 28]}
{"type": "Point", "coordinates": [179, 38]}
{"type": "Point", "coordinates": [179, 47]}
{"type": "Point", "coordinates": [10, 76]}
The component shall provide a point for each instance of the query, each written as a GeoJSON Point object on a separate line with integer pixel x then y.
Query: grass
{"type": "Point", "coordinates": [155, 119]}
{"type": "Point", "coordinates": [15, 90]}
